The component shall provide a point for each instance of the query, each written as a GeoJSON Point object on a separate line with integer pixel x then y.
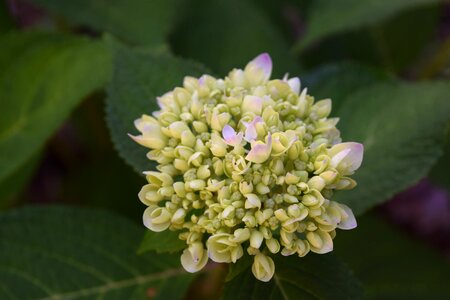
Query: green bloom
{"type": "Point", "coordinates": [246, 163]}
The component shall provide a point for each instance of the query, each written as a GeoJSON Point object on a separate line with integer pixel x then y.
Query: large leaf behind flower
{"type": "Point", "coordinates": [402, 128]}
{"type": "Point", "coordinates": [311, 277]}
{"type": "Point", "coordinates": [138, 79]}
{"type": "Point", "coordinates": [390, 265]}
{"type": "Point", "coordinates": [401, 124]}
{"type": "Point", "coordinates": [42, 78]}
{"type": "Point", "coordinates": [226, 34]}
{"type": "Point", "coordinates": [332, 17]}
{"type": "Point", "coordinates": [136, 21]}
{"type": "Point", "coordinates": [73, 253]}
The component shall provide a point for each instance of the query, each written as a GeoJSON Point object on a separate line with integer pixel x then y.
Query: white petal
{"type": "Point", "coordinates": [294, 83]}
{"type": "Point", "coordinates": [349, 222]}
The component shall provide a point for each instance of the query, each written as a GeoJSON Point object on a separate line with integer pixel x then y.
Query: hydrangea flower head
{"type": "Point", "coordinates": [246, 163]}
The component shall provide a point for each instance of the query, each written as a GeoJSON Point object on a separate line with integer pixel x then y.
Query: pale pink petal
{"type": "Point", "coordinates": [347, 157]}
{"type": "Point", "coordinates": [258, 70]}
{"type": "Point", "coordinates": [260, 152]}
{"type": "Point", "coordinates": [250, 131]}
{"type": "Point", "coordinates": [230, 136]}
{"type": "Point", "coordinates": [263, 62]}
{"type": "Point", "coordinates": [348, 220]}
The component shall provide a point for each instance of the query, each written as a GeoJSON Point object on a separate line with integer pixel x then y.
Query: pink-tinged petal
{"type": "Point", "coordinates": [263, 62]}
{"type": "Point", "coordinates": [347, 157]}
{"type": "Point", "coordinates": [250, 132]}
{"type": "Point", "coordinates": [260, 151]}
{"type": "Point", "coordinates": [348, 220]}
{"type": "Point", "coordinates": [230, 136]}
{"type": "Point", "coordinates": [252, 104]}
{"type": "Point", "coordinates": [258, 70]}
{"type": "Point", "coordinates": [202, 80]}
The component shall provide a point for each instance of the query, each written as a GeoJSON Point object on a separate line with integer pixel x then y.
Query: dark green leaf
{"type": "Point", "coordinates": [161, 242]}
{"type": "Point", "coordinates": [11, 187]}
{"type": "Point", "coordinates": [402, 128]}
{"type": "Point", "coordinates": [311, 277]}
{"type": "Point", "coordinates": [390, 265]}
{"type": "Point", "coordinates": [42, 78]}
{"type": "Point", "coordinates": [331, 17]}
{"type": "Point", "coordinates": [70, 253]}
{"type": "Point", "coordinates": [393, 44]}
{"type": "Point", "coordinates": [337, 81]}
{"type": "Point", "coordinates": [138, 78]}
{"type": "Point", "coordinates": [6, 22]}
{"type": "Point", "coordinates": [135, 21]}
{"type": "Point", "coordinates": [226, 34]}
{"type": "Point", "coordinates": [242, 265]}
{"type": "Point", "coordinates": [439, 172]}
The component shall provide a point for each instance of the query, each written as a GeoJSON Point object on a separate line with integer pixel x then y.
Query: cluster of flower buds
{"type": "Point", "coordinates": [246, 163]}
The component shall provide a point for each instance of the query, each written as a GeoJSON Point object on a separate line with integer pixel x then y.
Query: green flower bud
{"type": "Point", "coordinates": [329, 176]}
{"type": "Point", "coordinates": [273, 245]}
{"type": "Point", "coordinates": [256, 239]}
{"type": "Point", "coordinates": [262, 189]}
{"type": "Point", "coordinates": [241, 235]}
{"type": "Point", "coordinates": [263, 267]}
{"type": "Point", "coordinates": [157, 218]}
{"type": "Point", "coordinates": [290, 199]}
{"type": "Point", "coordinates": [197, 185]}
{"type": "Point", "coordinates": [252, 201]}
{"type": "Point", "coordinates": [158, 179]}
{"type": "Point", "coordinates": [149, 194]}
{"type": "Point", "coordinates": [322, 108]}
{"type": "Point", "coordinates": [320, 241]}
{"type": "Point", "coordinates": [245, 188]}
{"type": "Point", "coordinates": [249, 220]}
{"type": "Point", "coordinates": [317, 183]}
{"type": "Point", "coordinates": [222, 249]}
{"type": "Point", "coordinates": [178, 216]}
{"type": "Point", "coordinates": [218, 146]}
{"type": "Point", "coordinates": [194, 258]}
{"type": "Point", "coordinates": [281, 215]}
{"type": "Point", "coordinates": [302, 247]}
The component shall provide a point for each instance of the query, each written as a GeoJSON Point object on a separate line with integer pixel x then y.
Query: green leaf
{"type": "Point", "coordinates": [390, 265]}
{"type": "Point", "coordinates": [12, 186]}
{"type": "Point", "coordinates": [394, 44]}
{"type": "Point", "coordinates": [72, 253]}
{"type": "Point", "coordinates": [402, 128]}
{"type": "Point", "coordinates": [138, 79]}
{"type": "Point", "coordinates": [331, 17]}
{"type": "Point", "coordinates": [439, 172]}
{"type": "Point", "coordinates": [6, 22]}
{"type": "Point", "coordinates": [242, 265]}
{"type": "Point", "coordinates": [42, 78]}
{"type": "Point", "coordinates": [226, 34]}
{"type": "Point", "coordinates": [337, 81]}
{"type": "Point", "coordinates": [311, 277]}
{"type": "Point", "coordinates": [134, 21]}
{"type": "Point", "coordinates": [161, 242]}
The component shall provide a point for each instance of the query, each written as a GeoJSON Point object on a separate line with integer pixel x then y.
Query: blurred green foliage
{"type": "Point", "coordinates": [69, 97]}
